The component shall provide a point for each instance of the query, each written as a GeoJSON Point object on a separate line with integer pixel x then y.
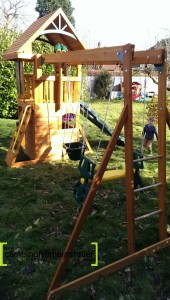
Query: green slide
{"type": "Point", "coordinates": [93, 117]}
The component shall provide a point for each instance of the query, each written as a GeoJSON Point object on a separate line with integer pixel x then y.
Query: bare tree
{"type": "Point", "coordinates": [160, 43]}
{"type": "Point", "coordinates": [89, 38]}
{"type": "Point", "coordinates": [150, 70]}
{"type": "Point", "coordinates": [12, 13]}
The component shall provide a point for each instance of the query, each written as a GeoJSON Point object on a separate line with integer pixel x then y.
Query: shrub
{"type": "Point", "coordinates": [8, 91]}
{"type": "Point", "coordinates": [8, 85]}
{"type": "Point", "coordinates": [152, 107]}
{"type": "Point", "coordinates": [102, 85]}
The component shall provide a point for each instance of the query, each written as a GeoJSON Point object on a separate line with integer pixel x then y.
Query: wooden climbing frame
{"type": "Point", "coordinates": [43, 138]}
{"type": "Point", "coordinates": [127, 57]}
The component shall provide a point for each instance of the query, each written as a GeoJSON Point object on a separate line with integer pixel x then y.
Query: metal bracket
{"type": "Point", "coordinates": [159, 67]}
{"type": "Point", "coordinates": [120, 56]}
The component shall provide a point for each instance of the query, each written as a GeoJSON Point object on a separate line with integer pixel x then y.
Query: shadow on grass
{"type": "Point", "coordinates": [38, 213]}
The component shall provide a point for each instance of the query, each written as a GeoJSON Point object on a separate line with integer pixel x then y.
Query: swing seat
{"type": "Point", "coordinates": [87, 167]}
{"type": "Point", "coordinates": [74, 150]}
{"type": "Point", "coordinates": [109, 175]}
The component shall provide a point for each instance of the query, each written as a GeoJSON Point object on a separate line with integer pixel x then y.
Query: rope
{"type": "Point", "coordinates": [84, 126]}
{"type": "Point", "coordinates": [66, 120]}
{"type": "Point", "coordinates": [144, 112]}
{"type": "Point", "coordinates": [101, 132]}
{"type": "Point", "coordinates": [85, 117]}
{"type": "Point", "coordinates": [108, 104]}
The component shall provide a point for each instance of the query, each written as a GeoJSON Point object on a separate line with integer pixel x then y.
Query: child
{"type": "Point", "coordinates": [148, 134]}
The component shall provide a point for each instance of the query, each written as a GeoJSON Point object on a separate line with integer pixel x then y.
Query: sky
{"type": "Point", "coordinates": [115, 23]}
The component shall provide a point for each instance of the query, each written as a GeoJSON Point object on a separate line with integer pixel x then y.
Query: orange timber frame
{"type": "Point", "coordinates": [127, 56]}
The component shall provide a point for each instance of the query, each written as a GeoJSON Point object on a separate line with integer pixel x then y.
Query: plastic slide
{"type": "Point", "coordinates": [93, 117]}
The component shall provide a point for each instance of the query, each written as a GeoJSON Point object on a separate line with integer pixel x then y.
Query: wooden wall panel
{"type": "Point", "coordinates": [45, 136]}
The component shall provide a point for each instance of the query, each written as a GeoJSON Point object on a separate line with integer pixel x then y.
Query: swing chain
{"type": "Point", "coordinates": [102, 130]}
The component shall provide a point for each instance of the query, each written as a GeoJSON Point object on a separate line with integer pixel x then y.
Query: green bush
{"type": "Point", "coordinates": [8, 85]}
{"type": "Point", "coordinates": [152, 107]}
{"type": "Point", "coordinates": [102, 85]}
{"type": "Point", "coordinates": [8, 90]}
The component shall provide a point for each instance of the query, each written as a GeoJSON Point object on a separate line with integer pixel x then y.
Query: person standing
{"type": "Point", "coordinates": [148, 133]}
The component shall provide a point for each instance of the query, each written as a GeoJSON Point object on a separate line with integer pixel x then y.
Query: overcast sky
{"type": "Point", "coordinates": [119, 22]}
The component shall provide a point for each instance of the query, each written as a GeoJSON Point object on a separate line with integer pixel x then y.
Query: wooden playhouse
{"type": "Point", "coordinates": [45, 103]}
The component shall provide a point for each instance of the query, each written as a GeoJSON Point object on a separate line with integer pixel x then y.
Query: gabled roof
{"type": "Point", "coordinates": [55, 27]}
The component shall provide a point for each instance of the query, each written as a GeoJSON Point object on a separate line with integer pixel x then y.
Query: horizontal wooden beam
{"type": "Point", "coordinates": [109, 269]}
{"type": "Point", "coordinates": [155, 56]}
{"type": "Point", "coordinates": [17, 55]}
{"type": "Point", "coordinates": [104, 56]}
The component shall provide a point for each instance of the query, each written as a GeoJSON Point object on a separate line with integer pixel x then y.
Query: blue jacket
{"type": "Point", "coordinates": [149, 131]}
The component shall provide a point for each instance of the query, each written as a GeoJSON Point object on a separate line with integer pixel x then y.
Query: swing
{"type": "Point", "coordinates": [109, 175]}
{"type": "Point", "coordinates": [87, 167]}
{"type": "Point", "coordinates": [75, 150]}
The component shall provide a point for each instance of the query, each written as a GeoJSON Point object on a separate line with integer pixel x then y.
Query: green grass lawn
{"type": "Point", "coordinates": [38, 213]}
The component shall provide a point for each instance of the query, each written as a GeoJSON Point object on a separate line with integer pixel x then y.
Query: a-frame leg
{"type": "Point", "coordinates": [88, 202]}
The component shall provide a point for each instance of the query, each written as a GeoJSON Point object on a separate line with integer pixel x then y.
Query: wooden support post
{"type": "Point", "coordinates": [57, 87]}
{"type": "Point", "coordinates": [21, 79]}
{"type": "Point", "coordinates": [37, 66]}
{"type": "Point", "coordinates": [60, 87]}
{"type": "Point", "coordinates": [162, 115]}
{"type": "Point", "coordinates": [38, 85]}
{"type": "Point", "coordinates": [127, 73]}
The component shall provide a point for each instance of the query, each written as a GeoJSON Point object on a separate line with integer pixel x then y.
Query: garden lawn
{"type": "Point", "coordinates": [38, 213]}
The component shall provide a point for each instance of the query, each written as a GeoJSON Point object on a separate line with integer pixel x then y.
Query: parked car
{"type": "Point", "coordinates": [151, 94]}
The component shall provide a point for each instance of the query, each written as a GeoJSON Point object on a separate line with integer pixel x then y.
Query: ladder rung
{"type": "Point", "coordinates": [148, 215]}
{"type": "Point", "coordinates": [147, 158]}
{"type": "Point", "coordinates": [147, 187]}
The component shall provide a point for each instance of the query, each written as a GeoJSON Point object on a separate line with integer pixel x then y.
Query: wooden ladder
{"type": "Point", "coordinates": [18, 135]}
